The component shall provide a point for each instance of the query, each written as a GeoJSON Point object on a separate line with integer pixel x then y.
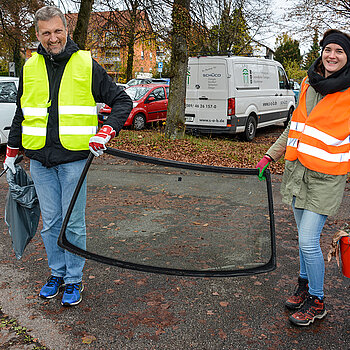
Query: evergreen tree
{"type": "Point", "coordinates": [313, 53]}
{"type": "Point", "coordinates": [233, 33]}
{"type": "Point", "coordinates": [288, 50]}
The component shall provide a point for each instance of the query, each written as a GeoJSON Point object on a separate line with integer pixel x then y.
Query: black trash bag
{"type": "Point", "coordinates": [22, 210]}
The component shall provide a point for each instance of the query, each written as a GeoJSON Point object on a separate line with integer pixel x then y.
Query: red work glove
{"type": "Point", "coordinates": [98, 142]}
{"type": "Point", "coordinates": [262, 165]}
{"type": "Point", "coordinates": [11, 155]}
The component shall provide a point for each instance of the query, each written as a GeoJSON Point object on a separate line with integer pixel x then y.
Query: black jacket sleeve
{"type": "Point", "coordinates": [15, 135]}
{"type": "Point", "coordinates": [106, 91]}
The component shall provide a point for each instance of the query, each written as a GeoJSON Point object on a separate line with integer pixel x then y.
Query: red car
{"type": "Point", "coordinates": [150, 103]}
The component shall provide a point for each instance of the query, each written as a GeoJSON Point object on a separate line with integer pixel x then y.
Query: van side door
{"type": "Point", "coordinates": [284, 93]}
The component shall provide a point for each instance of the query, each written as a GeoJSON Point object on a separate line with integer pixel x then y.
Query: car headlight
{"type": "Point", "coordinates": [134, 104]}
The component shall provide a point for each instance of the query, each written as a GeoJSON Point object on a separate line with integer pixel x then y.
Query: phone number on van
{"type": "Point", "coordinates": [196, 105]}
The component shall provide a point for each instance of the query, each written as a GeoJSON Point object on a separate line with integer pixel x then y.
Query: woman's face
{"type": "Point", "coordinates": [333, 58]}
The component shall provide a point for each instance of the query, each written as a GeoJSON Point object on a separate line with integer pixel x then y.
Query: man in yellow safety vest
{"type": "Point", "coordinates": [56, 123]}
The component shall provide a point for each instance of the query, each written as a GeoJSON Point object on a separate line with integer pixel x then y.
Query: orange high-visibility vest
{"type": "Point", "coordinates": [321, 140]}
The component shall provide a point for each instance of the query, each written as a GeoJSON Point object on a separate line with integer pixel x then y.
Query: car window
{"type": "Point", "coordinates": [167, 91]}
{"type": "Point", "coordinates": [160, 81]}
{"type": "Point", "coordinates": [282, 78]}
{"type": "Point", "coordinates": [158, 94]}
{"type": "Point", "coordinates": [137, 92]}
{"type": "Point", "coordinates": [8, 92]}
{"type": "Point", "coordinates": [134, 82]}
{"type": "Point", "coordinates": [296, 86]}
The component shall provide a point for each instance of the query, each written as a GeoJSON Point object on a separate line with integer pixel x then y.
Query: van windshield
{"type": "Point", "coordinates": [137, 92]}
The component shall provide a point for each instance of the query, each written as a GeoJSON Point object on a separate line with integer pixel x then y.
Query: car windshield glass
{"type": "Point", "coordinates": [177, 218]}
{"type": "Point", "coordinates": [8, 92]}
{"type": "Point", "coordinates": [137, 92]}
{"type": "Point", "coordinates": [134, 82]}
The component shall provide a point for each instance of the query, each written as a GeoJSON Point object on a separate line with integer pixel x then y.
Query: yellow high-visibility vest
{"type": "Point", "coordinates": [77, 113]}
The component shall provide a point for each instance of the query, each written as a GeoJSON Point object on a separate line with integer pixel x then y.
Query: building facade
{"type": "Point", "coordinates": [110, 35]}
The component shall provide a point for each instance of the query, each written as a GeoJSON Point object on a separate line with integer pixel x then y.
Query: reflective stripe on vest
{"type": "Point", "coordinates": [77, 113]}
{"type": "Point", "coordinates": [321, 141]}
{"type": "Point", "coordinates": [34, 102]}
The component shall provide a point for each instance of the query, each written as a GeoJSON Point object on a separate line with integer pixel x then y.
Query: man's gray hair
{"type": "Point", "coordinates": [46, 13]}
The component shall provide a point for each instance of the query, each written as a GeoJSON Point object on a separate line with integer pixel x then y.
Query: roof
{"type": "Point", "coordinates": [105, 19]}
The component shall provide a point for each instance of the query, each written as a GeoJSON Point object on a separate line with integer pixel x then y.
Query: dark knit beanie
{"type": "Point", "coordinates": [337, 38]}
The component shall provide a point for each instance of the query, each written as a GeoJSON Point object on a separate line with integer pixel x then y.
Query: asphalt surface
{"type": "Point", "coordinates": [125, 309]}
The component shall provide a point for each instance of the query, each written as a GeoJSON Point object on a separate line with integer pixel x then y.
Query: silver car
{"type": "Point", "coordinates": [8, 95]}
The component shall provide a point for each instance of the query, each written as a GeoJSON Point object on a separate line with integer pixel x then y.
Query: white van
{"type": "Point", "coordinates": [236, 95]}
{"type": "Point", "coordinates": [8, 97]}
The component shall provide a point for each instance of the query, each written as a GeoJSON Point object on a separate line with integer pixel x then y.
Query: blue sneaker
{"type": "Point", "coordinates": [52, 287]}
{"type": "Point", "coordinates": [72, 294]}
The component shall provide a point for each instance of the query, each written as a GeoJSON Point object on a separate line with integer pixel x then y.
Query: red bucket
{"type": "Point", "coordinates": [345, 255]}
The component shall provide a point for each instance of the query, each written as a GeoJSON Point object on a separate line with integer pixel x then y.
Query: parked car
{"type": "Point", "coordinates": [139, 81]}
{"type": "Point", "coordinates": [8, 96]}
{"type": "Point", "coordinates": [161, 81]}
{"type": "Point", "coordinates": [123, 86]}
{"type": "Point", "coordinates": [296, 89]}
{"type": "Point", "coordinates": [150, 104]}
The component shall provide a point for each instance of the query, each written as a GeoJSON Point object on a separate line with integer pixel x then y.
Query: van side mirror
{"type": "Point", "coordinates": [151, 99]}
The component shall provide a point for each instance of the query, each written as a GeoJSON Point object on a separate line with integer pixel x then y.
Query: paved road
{"type": "Point", "coordinates": [124, 309]}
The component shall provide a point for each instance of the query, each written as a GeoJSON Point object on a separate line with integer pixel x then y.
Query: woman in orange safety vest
{"type": "Point", "coordinates": [316, 144]}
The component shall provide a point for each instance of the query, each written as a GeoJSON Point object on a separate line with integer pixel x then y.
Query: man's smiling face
{"type": "Point", "coordinates": [53, 35]}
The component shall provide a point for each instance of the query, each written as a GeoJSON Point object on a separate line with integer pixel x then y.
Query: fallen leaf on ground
{"type": "Point", "coordinates": [88, 339]}
{"type": "Point", "coordinates": [222, 334]}
{"type": "Point", "coordinates": [223, 303]}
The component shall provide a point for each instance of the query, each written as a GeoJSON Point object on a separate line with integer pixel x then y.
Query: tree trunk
{"type": "Point", "coordinates": [175, 125]}
{"type": "Point", "coordinates": [80, 31]}
{"type": "Point", "coordinates": [17, 57]}
{"type": "Point", "coordinates": [131, 43]}
{"type": "Point", "coordinates": [130, 61]}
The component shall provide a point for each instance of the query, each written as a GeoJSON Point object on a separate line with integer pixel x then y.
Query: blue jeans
{"type": "Point", "coordinates": [312, 267]}
{"type": "Point", "coordinates": [55, 187]}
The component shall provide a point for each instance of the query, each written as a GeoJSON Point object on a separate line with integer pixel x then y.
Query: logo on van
{"type": "Point", "coordinates": [245, 76]}
{"type": "Point", "coordinates": [212, 75]}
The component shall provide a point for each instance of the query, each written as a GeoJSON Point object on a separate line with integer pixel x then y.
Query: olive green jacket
{"type": "Point", "coordinates": [314, 191]}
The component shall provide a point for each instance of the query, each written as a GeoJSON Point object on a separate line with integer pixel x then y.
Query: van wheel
{"type": "Point", "coordinates": [250, 129]}
{"type": "Point", "coordinates": [139, 121]}
{"type": "Point", "coordinates": [290, 112]}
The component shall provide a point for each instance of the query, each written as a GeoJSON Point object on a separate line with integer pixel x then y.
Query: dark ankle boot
{"type": "Point", "coordinates": [297, 300]}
